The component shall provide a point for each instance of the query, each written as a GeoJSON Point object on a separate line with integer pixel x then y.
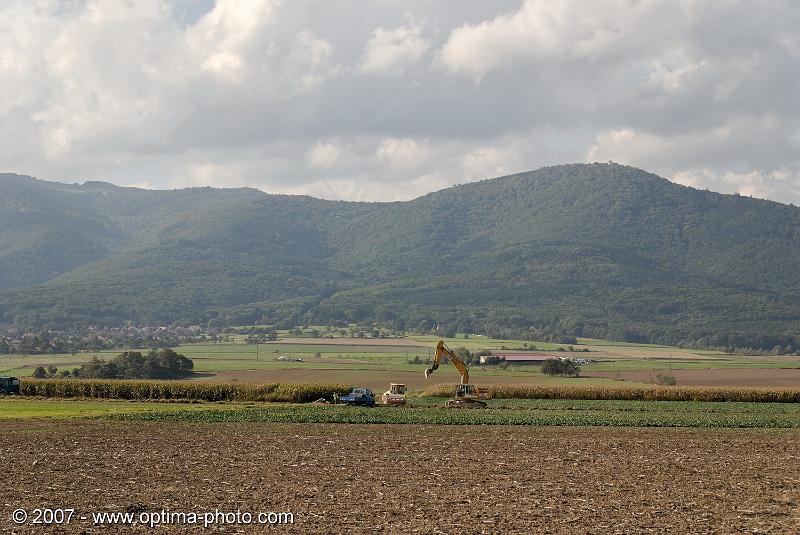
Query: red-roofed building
{"type": "Point", "coordinates": [522, 357]}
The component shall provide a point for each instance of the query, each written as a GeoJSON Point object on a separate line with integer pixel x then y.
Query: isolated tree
{"type": "Point", "coordinates": [566, 367]}
{"type": "Point", "coordinates": [39, 373]}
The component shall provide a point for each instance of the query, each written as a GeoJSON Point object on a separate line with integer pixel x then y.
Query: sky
{"type": "Point", "coordinates": [388, 100]}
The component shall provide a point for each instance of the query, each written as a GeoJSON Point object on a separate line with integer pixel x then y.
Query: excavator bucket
{"type": "Point", "coordinates": [428, 372]}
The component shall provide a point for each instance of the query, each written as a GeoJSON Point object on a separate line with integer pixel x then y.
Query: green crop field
{"type": "Point", "coordinates": [428, 410]}
{"type": "Point", "coordinates": [23, 365]}
{"type": "Point", "coordinates": [519, 412]}
{"type": "Point", "coordinates": [23, 408]}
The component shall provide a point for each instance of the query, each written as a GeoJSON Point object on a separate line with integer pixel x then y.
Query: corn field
{"type": "Point", "coordinates": [179, 390]}
{"type": "Point", "coordinates": [653, 393]}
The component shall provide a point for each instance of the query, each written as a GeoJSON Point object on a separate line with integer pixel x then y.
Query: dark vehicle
{"type": "Point", "coordinates": [359, 396]}
{"type": "Point", "coordinates": [9, 385]}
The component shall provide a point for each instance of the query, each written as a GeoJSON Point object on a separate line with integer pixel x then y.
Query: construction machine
{"type": "Point", "coordinates": [358, 396]}
{"type": "Point", "coordinates": [9, 385]}
{"type": "Point", "coordinates": [467, 395]}
{"type": "Point", "coordinates": [396, 395]}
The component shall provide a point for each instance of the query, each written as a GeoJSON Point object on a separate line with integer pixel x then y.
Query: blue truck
{"type": "Point", "coordinates": [9, 385]}
{"type": "Point", "coordinates": [358, 396]}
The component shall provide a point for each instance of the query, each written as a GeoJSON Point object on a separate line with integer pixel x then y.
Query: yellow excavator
{"type": "Point", "coordinates": [467, 395]}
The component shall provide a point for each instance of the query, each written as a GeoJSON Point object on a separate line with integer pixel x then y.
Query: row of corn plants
{"type": "Point", "coordinates": [179, 390]}
{"type": "Point", "coordinates": [648, 393]}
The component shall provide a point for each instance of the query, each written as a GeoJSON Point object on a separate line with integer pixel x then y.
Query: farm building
{"type": "Point", "coordinates": [521, 357]}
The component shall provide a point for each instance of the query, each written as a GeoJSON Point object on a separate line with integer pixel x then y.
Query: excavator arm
{"type": "Point", "coordinates": [443, 350]}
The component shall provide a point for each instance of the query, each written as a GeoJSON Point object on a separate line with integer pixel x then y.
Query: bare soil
{"type": "Point", "coordinates": [377, 380]}
{"type": "Point", "coordinates": [755, 377]}
{"type": "Point", "coordinates": [410, 479]}
{"type": "Point", "coordinates": [640, 352]}
{"type": "Point", "coordinates": [392, 342]}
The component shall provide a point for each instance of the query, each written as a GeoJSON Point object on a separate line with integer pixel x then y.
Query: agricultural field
{"type": "Point", "coordinates": [234, 404]}
{"type": "Point", "coordinates": [749, 376]}
{"type": "Point", "coordinates": [409, 478]}
{"type": "Point", "coordinates": [575, 413]}
{"type": "Point", "coordinates": [25, 408]}
{"type": "Point", "coordinates": [375, 363]}
{"type": "Point", "coordinates": [519, 466]}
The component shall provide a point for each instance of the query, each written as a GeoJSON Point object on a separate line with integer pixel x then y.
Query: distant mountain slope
{"type": "Point", "coordinates": [46, 230]}
{"type": "Point", "coordinates": [598, 250]}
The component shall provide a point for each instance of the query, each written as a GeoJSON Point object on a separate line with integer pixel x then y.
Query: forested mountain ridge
{"type": "Point", "coordinates": [586, 249]}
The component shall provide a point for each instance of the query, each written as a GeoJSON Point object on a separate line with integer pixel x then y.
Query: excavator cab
{"type": "Point", "coordinates": [397, 389]}
{"type": "Point", "coordinates": [463, 391]}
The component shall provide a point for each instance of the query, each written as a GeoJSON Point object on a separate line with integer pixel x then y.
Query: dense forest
{"type": "Point", "coordinates": [596, 250]}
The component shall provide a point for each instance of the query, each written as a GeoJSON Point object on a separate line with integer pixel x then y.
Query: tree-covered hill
{"type": "Point", "coordinates": [594, 250]}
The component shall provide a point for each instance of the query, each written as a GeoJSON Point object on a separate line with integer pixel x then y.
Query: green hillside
{"type": "Point", "coordinates": [589, 250]}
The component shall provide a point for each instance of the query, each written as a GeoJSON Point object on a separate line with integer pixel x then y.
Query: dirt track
{"type": "Point", "coordinates": [411, 479]}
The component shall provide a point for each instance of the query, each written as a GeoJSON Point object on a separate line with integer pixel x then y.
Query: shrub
{"type": "Point", "coordinates": [561, 367]}
{"type": "Point", "coordinates": [666, 380]}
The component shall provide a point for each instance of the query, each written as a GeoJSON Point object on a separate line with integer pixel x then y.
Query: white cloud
{"type": "Point", "coordinates": [229, 29]}
{"type": "Point", "coordinates": [324, 154]}
{"type": "Point", "coordinates": [627, 145]}
{"type": "Point", "coordinates": [225, 64]}
{"type": "Point", "coordinates": [487, 162]}
{"type": "Point", "coordinates": [564, 29]}
{"type": "Point", "coordinates": [308, 60]}
{"type": "Point", "coordinates": [404, 153]}
{"type": "Point", "coordinates": [753, 183]}
{"type": "Point", "coordinates": [392, 51]}
{"type": "Point", "coordinates": [140, 185]}
{"type": "Point", "coordinates": [672, 70]}
{"type": "Point", "coordinates": [316, 97]}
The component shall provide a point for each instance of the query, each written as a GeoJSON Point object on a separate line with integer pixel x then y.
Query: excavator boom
{"type": "Point", "coordinates": [443, 350]}
{"type": "Point", "coordinates": [466, 393]}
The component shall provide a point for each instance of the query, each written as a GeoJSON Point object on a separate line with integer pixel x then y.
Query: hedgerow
{"type": "Point", "coordinates": [182, 390]}
{"type": "Point", "coordinates": [648, 393]}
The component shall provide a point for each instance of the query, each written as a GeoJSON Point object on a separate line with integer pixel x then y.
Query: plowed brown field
{"type": "Point", "coordinates": [410, 479]}
{"type": "Point", "coordinates": [777, 377]}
